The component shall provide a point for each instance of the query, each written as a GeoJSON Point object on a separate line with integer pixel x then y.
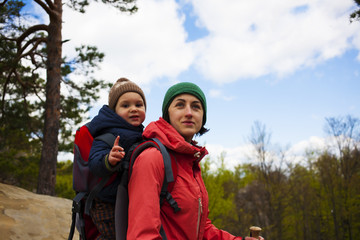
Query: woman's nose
{"type": "Point", "coordinates": [188, 111]}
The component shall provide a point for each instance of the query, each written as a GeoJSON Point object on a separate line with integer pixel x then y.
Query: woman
{"type": "Point", "coordinates": [184, 116]}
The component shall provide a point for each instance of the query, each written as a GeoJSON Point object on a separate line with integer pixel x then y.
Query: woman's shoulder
{"type": "Point", "coordinates": [149, 163]}
{"type": "Point", "coordinates": [150, 155]}
{"type": "Point", "coordinates": [149, 158]}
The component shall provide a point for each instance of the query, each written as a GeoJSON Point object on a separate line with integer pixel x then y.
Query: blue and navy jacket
{"type": "Point", "coordinates": [107, 121]}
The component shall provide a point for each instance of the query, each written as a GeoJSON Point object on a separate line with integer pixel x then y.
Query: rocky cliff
{"type": "Point", "coordinates": [25, 215]}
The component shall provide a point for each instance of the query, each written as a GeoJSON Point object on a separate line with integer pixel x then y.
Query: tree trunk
{"type": "Point", "coordinates": [47, 171]}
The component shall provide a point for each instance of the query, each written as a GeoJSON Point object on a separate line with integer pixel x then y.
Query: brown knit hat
{"type": "Point", "coordinates": [121, 86]}
{"type": "Point", "coordinates": [255, 229]}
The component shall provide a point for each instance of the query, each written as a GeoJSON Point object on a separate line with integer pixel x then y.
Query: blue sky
{"type": "Point", "coordinates": [287, 64]}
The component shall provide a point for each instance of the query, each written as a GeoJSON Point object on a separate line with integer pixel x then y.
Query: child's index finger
{"type": "Point", "coordinates": [116, 142]}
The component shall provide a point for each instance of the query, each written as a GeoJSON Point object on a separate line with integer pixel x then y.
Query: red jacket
{"type": "Point", "coordinates": [145, 214]}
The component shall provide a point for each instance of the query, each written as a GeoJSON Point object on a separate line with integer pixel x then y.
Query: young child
{"type": "Point", "coordinates": [123, 117]}
{"type": "Point", "coordinates": [255, 233]}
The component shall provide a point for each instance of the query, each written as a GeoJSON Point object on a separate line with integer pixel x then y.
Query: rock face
{"type": "Point", "coordinates": [25, 215]}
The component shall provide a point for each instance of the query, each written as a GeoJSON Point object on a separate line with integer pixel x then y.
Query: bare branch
{"type": "Point", "coordinates": [36, 44]}
{"type": "Point", "coordinates": [30, 30]}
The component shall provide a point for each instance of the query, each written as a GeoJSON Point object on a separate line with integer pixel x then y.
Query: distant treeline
{"type": "Point", "coordinates": [316, 199]}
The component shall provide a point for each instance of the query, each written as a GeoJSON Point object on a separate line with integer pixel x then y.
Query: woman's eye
{"type": "Point", "coordinates": [196, 106]}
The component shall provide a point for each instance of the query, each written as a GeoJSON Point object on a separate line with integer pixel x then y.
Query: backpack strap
{"type": "Point", "coordinates": [169, 178]}
{"type": "Point", "coordinates": [76, 209]}
{"type": "Point", "coordinates": [167, 160]}
{"type": "Point", "coordinates": [162, 233]}
{"type": "Point", "coordinates": [94, 192]}
{"type": "Point", "coordinates": [109, 139]}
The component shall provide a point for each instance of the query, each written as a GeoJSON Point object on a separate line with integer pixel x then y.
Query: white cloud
{"type": "Point", "coordinates": [313, 143]}
{"type": "Point", "coordinates": [217, 93]}
{"type": "Point", "coordinates": [232, 156]}
{"type": "Point", "coordinates": [246, 39]}
{"type": "Point", "coordinates": [254, 38]}
{"type": "Point", "coordinates": [147, 45]}
{"type": "Point", "coordinates": [245, 153]}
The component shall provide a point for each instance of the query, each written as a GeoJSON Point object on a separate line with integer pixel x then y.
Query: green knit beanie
{"type": "Point", "coordinates": [180, 88]}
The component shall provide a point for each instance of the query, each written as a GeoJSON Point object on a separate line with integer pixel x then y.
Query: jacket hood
{"type": "Point", "coordinates": [167, 134]}
{"type": "Point", "coordinates": [106, 119]}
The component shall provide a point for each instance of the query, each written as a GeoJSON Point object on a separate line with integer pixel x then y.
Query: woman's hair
{"type": "Point", "coordinates": [180, 88]}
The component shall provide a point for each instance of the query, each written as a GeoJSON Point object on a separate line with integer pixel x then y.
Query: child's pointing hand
{"type": "Point", "coordinates": [117, 153]}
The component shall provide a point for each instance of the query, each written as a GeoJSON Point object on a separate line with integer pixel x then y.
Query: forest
{"type": "Point", "coordinates": [318, 198]}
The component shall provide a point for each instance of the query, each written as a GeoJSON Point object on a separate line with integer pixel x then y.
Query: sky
{"type": "Point", "coordinates": [287, 64]}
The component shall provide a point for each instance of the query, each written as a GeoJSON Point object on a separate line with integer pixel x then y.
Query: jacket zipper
{"type": "Point", "coordinates": [198, 156]}
{"type": "Point", "coordinates": [199, 218]}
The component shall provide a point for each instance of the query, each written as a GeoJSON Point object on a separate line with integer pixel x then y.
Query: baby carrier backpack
{"type": "Point", "coordinates": [87, 186]}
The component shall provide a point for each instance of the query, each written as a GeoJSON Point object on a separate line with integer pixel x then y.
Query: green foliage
{"type": "Point", "coordinates": [339, 188]}
{"type": "Point", "coordinates": [221, 196]}
{"type": "Point", "coordinates": [19, 159]}
{"type": "Point", "coordinates": [304, 208]}
{"type": "Point", "coordinates": [64, 180]}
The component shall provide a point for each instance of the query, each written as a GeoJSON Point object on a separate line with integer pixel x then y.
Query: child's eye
{"type": "Point", "coordinates": [125, 105]}
{"type": "Point", "coordinates": [139, 105]}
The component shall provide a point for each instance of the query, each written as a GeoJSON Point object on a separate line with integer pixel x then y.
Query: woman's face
{"type": "Point", "coordinates": [186, 115]}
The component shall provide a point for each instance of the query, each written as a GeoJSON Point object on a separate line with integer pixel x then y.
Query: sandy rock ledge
{"type": "Point", "coordinates": [26, 215]}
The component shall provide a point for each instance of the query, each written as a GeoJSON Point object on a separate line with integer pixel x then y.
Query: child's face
{"type": "Point", "coordinates": [130, 106]}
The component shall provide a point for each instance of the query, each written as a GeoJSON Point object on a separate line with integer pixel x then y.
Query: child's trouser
{"type": "Point", "coordinates": [102, 214]}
